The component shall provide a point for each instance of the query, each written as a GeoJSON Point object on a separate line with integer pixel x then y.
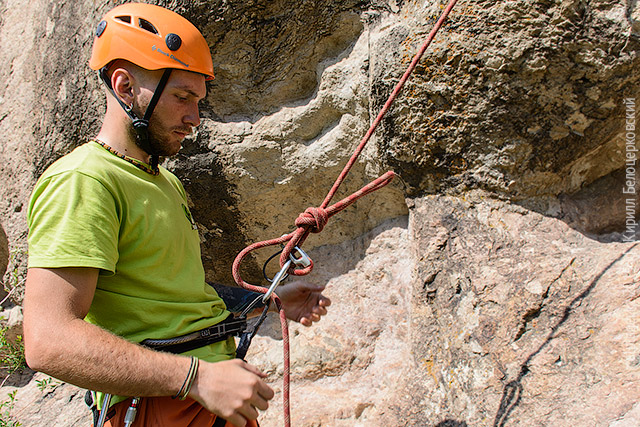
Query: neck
{"type": "Point", "coordinates": [115, 132]}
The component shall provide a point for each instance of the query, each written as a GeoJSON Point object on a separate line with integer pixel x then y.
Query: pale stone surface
{"type": "Point", "coordinates": [558, 345]}
{"type": "Point", "coordinates": [44, 401]}
{"type": "Point", "coordinates": [350, 369]}
{"type": "Point", "coordinates": [12, 319]}
{"type": "Point", "coordinates": [4, 259]}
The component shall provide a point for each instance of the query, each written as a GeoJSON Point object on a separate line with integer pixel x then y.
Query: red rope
{"type": "Point", "coordinates": [313, 220]}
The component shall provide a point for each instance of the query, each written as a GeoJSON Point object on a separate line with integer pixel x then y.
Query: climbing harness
{"type": "Point", "coordinates": [223, 330]}
{"type": "Point", "coordinates": [229, 327]}
{"type": "Point", "coordinates": [313, 220]}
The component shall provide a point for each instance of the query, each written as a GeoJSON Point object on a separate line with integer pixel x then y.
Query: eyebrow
{"type": "Point", "coordinates": [187, 90]}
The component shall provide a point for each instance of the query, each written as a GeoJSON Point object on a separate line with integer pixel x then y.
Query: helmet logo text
{"type": "Point", "coordinates": [157, 49]}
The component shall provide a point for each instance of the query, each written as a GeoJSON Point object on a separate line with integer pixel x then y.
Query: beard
{"type": "Point", "coordinates": [156, 140]}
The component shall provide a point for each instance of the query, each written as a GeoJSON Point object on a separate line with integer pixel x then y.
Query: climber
{"type": "Point", "coordinates": [114, 254]}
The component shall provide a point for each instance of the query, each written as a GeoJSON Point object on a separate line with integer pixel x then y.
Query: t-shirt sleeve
{"type": "Point", "coordinates": [73, 222]}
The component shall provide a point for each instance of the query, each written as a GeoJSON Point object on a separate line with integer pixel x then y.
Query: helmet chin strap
{"type": "Point", "coordinates": [141, 125]}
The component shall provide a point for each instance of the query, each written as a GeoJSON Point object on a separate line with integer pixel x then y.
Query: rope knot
{"type": "Point", "coordinates": [313, 218]}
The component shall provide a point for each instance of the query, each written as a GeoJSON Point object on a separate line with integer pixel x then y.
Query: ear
{"type": "Point", "coordinates": [122, 82]}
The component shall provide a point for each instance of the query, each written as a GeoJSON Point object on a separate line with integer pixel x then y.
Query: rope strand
{"type": "Point", "coordinates": [313, 220]}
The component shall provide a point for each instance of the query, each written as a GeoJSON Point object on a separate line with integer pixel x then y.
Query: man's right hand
{"type": "Point", "coordinates": [232, 389]}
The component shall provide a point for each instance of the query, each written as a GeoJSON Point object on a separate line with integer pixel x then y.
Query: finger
{"type": "Point", "coordinates": [305, 321]}
{"type": "Point", "coordinates": [324, 301]}
{"type": "Point", "coordinates": [249, 412]}
{"type": "Point", "coordinates": [264, 391]}
{"type": "Point", "coordinates": [260, 403]}
{"type": "Point", "coordinates": [254, 370]}
{"type": "Point", "coordinates": [319, 310]}
{"type": "Point", "coordinates": [315, 317]}
{"type": "Point", "coordinates": [237, 420]}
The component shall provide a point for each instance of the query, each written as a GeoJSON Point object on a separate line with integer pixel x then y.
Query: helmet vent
{"type": "Point", "coordinates": [146, 25]}
{"type": "Point", "coordinates": [124, 18]}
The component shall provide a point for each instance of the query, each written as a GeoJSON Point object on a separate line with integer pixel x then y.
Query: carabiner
{"type": "Point", "coordinates": [106, 402]}
{"type": "Point", "coordinates": [302, 261]}
{"type": "Point", "coordinates": [276, 280]}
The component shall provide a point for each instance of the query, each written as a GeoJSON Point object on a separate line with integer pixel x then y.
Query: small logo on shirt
{"type": "Point", "coordinates": [187, 213]}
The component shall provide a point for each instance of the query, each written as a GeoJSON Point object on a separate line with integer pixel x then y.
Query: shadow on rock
{"type": "Point", "coordinates": [512, 392]}
{"type": "Point", "coordinates": [18, 378]}
{"type": "Point", "coordinates": [600, 210]}
{"type": "Point", "coordinates": [451, 423]}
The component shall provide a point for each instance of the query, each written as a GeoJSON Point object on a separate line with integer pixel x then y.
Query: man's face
{"type": "Point", "coordinates": [176, 113]}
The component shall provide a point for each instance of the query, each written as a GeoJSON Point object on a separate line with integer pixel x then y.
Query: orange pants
{"type": "Point", "coordinates": [165, 412]}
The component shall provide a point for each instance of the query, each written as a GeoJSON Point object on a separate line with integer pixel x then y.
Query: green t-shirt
{"type": "Point", "coordinates": [94, 209]}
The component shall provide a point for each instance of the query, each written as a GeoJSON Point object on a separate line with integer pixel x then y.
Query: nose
{"type": "Point", "coordinates": [192, 118]}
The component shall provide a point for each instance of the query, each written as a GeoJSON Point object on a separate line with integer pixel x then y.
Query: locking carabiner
{"type": "Point", "coordinates": [302, 261]}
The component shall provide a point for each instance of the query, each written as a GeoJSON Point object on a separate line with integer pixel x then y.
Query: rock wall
{"type": "Point", "coordinates": [518, 97]}
{"type": "Point", "coordinates": [496, 282]}
{"type": "Point", "coordinates": [519, 319]}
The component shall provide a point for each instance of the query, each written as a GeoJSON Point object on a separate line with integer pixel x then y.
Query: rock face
{"type": "Point", "coordinates": [4, 256]}
{"type": "Point", "coordinates": [496, 282]}
{"type": "Point", "coordinates": [520, 319]}
{"type": "Point", "coordinates": [515, 97]}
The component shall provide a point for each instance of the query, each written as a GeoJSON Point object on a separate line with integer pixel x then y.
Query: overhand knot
{"type": "Point", "coordinates": [313, 218]}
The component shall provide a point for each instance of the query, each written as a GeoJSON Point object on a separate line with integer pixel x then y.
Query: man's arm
{"type": "Point", "coordinates": [60, 343]}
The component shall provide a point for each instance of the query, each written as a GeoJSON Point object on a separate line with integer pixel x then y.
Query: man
{"type": "Point", "coordinates": [114, 256]}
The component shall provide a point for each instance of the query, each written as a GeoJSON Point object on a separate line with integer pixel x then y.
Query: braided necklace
{"type": "Point", "coordinates": [134, 162]}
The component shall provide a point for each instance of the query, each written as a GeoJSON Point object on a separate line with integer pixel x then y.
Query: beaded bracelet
{"type": "Point", "coordinates": [188, 382]}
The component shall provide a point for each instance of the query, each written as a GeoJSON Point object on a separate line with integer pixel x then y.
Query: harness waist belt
{"type": "Point", "coordinates": [223, 330]}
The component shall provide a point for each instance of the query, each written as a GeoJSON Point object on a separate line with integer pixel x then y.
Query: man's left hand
{"type": "Point", "coordinates": [303, 302]}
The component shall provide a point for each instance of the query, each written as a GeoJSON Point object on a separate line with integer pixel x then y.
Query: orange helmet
{"type": "Point", "coordinates": [151, 37]}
